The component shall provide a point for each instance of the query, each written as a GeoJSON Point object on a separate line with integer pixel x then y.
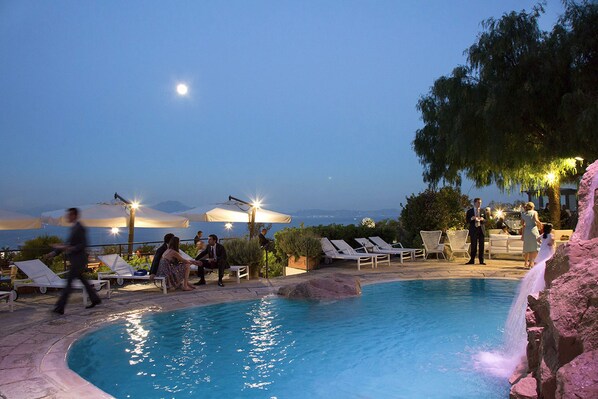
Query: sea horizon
{"type": "Point", "coordinates": [14, 239]}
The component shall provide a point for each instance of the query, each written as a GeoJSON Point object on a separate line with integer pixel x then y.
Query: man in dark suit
{"type": "Point", "coordinates": [476, 217]}
{"type": "Point", "coordinates": [75, 250]}
{"type": "Point", "coordinates": [159, 252]}
{"type": "Point", "coordinates": [216, 259]}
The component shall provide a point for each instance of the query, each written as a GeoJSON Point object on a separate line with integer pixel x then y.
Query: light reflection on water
{"type": "Point", "coordinates": [266, 350]}
{"type": "Point", "coordinates": [412, 338]}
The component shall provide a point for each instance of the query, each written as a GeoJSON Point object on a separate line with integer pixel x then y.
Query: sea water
{"type": "Point", "coordinates": [410, 339]}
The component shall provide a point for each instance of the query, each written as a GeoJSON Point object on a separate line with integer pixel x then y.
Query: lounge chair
{"type": "Point", "coordinates": [347, 249]}
{"type": "Point", "coordinates": [9, 296]}
{"type": "Point", "coordinates": [240, 271]}
{"type": "Point", "coordinates": [121, 270]}
{"type": "Point", "coordinates": [41, 276]}
{"type": "Point", "coordinates": [457, 241]}
{"type": "Point", "coordinates": [374, 249]}
{"type": "Point", "coordinates": [415, 252]}
{"type": "Point", "coordinates": [432, 243]}
{"type": "Point", "coordinates": [331, 252]}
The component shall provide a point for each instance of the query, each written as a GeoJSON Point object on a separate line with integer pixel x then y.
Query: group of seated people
{"type": "Point", "coordinates": [169, 263]}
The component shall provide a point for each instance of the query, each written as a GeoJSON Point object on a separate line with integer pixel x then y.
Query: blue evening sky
{"type": "Point", "coordinates": [309, 104]}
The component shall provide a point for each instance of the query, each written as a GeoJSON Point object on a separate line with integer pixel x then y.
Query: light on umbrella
{"type": "Point", "coordinates": [235, 211]}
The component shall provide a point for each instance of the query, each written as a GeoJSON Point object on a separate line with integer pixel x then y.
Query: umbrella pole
{"type": "Point", "coordinates": [252, 223]}
{"type": "Point", "coordinates": [131, 230]}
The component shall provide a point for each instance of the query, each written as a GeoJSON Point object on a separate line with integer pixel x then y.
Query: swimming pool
{"type": "Point", "coordinates": [410, 339]}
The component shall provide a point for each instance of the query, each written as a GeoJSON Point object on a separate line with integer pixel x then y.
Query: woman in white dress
{"type": "Point", "coordinates": [547, 246]}
{"type": "Point", "coordinates": [530, 222]}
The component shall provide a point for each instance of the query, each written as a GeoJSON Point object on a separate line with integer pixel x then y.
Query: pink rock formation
{"type": "Point", "coordinates": [525, 388]}
{"type": "Point", "coordinates": [330, 287]}
{"type": "Point", "coordinates": [562, 321]}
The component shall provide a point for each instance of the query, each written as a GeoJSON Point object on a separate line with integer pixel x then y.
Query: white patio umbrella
{"type": "Point", "coordinates": [119, 215]}
{"type": "Point", "coordinates": [231, 212]}
{"type": "Point", "coordinates": [18, 221]}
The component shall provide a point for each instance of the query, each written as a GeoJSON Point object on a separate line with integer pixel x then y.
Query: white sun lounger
{"type": "Point", "coordinates": [121, 270]}
{"type": "Point", "coordinates": [415, 252]}
{"type": "Point", "coordinates": [331, 252]}
{"type": "Point", "coordinates": [9, 296]}
{"type": "Point", "coordinates": [41, 276]}
{"type": "Point", "coordinates": [373, 248]}
{"type": "Point", "coordinates": [347, 249]}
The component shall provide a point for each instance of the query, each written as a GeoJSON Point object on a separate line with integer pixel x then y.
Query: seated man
{"type": "Point", "coordinates": [216, 259]}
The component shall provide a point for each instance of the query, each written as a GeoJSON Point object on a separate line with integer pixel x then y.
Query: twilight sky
{"type": "Point", "coordinates": [309, 104]}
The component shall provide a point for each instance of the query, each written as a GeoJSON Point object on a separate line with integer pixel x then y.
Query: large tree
{"type": "Point", "coordinates": [521, 110]}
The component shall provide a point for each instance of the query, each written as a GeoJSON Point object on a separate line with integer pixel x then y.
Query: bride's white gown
{"type": "Point", "coordinates": [547, 249]}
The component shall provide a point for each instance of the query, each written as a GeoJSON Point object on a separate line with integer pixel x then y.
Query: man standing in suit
{"type": "Point", "coordinates": [216, 259]}
{"type": "Point", "coordinates": [159, 252]}
{"type": "Point", "coordinates": [75, 250]}
{"type": "Point", "coordinates": [476, 217]}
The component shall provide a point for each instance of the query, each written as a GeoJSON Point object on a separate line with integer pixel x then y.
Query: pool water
{"type": "Point", "coordinates": [410, 339]}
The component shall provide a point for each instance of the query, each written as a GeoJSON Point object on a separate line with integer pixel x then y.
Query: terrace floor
{"type": "Point", "coordinates": [34, 341]}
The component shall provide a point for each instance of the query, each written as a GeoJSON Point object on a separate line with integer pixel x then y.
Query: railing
{"type": "Point", "coordinates": [97, 249]}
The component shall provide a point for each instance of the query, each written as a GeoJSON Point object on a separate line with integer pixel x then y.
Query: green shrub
{"type": "Point", "coordinates": [275, 265]}
{"type": "Point", "coordinates": [139, 262]}
{"type": "Point", "coordinates": [244, 252]}
{"type": "Point", "coordinates": [297, 241]}
{"type": "Point", "coordinates": [37, 247]}
{"type": "Point", "coordinates": [433, 210]}
{"type": "Point", "coordinates": [190, 249]}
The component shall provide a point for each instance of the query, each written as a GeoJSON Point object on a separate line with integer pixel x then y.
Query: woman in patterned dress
{"type": "Point", "coordinates": [174, 267]}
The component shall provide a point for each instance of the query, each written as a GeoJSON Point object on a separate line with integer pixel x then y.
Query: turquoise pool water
{"type": "Point", "coordinates": [413, 339]}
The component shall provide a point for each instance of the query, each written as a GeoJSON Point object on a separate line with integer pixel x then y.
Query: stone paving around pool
{"type": "Point", "coordinates": [34, 341]}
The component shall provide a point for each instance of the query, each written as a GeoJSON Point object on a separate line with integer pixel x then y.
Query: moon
{"type": "Point", "coordinates": [182, 89]}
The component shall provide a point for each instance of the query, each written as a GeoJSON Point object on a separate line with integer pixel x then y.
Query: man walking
{"type": "Point", "coordinates": [75, 250]}
{"type": "Point", "coordinates": [476, 217]}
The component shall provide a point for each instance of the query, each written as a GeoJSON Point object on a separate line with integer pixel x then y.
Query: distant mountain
{"type": "Point", "coordinates": [171, 206]}
{"type": "Point", "coordinates": [374, 214]}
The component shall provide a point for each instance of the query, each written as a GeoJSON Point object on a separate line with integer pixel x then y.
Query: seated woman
{"type": "Point", "coordinates": [174, 267]}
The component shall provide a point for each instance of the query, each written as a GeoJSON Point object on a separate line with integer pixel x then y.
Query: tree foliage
{"type": "Point", "coordinates": [521, 109]}
{"type": "Point", "coordinates": [433, 210]}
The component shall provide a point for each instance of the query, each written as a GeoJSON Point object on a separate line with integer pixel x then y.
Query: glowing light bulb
{"type": "Point", "coordinates": [182, 89]}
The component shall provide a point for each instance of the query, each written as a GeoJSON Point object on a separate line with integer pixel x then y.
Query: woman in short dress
{"type": "Point", "coordinates": [530, 222]}
{"type": "Point", "coordinates": [174, 267]}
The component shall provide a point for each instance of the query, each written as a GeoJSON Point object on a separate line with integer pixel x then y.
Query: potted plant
{"type": "Point", "coordinates": [244, 252]}
{"type": "Point", "coordinates": [300, 246]}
